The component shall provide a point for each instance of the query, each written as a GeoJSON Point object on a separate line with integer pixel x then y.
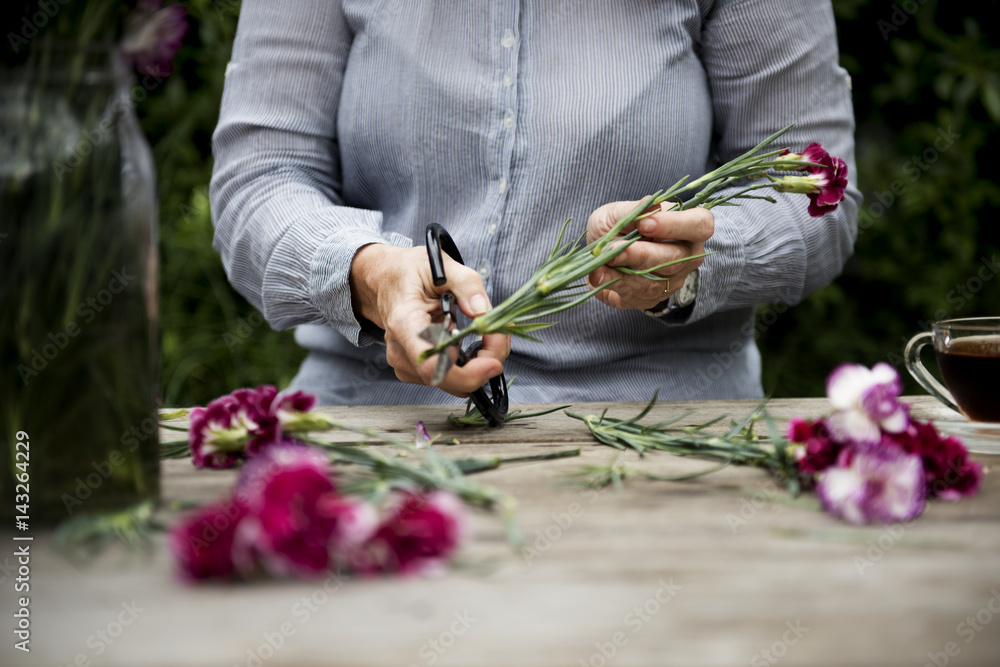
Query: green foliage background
{"type": "Point", "coordinates": [915, 73]}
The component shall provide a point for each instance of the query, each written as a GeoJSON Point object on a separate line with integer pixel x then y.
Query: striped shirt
{"type": "Point", "coordinates": [350, 123]}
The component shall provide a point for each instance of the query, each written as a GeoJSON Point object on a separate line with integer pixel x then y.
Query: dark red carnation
{"type": "Point", "coordinates": [949, 472]}
{"type": "Point", "coordinates": [831, 179]}
{"type": "Point", "coordinates": [820, 451]}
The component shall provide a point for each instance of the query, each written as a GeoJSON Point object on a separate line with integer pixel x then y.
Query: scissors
{"type": "Point", "coordinates": [492, 405]}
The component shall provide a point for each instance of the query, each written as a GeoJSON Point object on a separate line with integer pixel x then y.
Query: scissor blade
{"type": "Point", "coordinates": [434, 334]}
{"type": "Point", "coordinates": [442, 368]}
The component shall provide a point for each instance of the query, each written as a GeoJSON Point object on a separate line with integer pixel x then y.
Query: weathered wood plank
{"type": "Point", "coordinates": [746, 564]}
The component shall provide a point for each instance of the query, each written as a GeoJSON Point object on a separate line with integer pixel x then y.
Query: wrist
{"type": "Point", "coordinates": [681, 303]}
{"type": "Point", "coordinates": [365, 280]}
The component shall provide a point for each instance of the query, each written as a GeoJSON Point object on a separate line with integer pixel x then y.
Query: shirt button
{"type": "Point", "coordinates": [507, 80]}
{"type": "Point", "coordinates": [484, 270]}
{"type": "Point", "coordinates": [508, 119]}
{"type": "Point", "coordinates": [491, 228]}
{"type": "Point", "coordinates": [502, 186]}
{"type": "Point", "coordinates": [508, 39]}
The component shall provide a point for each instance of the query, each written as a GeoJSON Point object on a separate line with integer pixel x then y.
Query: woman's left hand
{"type": "Point", "coordinates": [668, 236]}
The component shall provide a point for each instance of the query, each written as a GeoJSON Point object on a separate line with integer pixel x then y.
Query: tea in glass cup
{"type": "Point", "coordinates": [968, 354]}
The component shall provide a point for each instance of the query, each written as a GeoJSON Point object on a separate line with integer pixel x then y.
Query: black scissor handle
{"type": "Point", "coordinates": [493, 406]}
{"type": "Point", "coordinates": [439, 239]}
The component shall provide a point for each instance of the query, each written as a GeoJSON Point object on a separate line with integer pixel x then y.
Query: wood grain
{"type": "Point", "coordinates": [708, 572]}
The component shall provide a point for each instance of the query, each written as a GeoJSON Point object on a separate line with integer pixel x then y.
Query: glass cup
{"type": "Point", "coordinates": [968, 355]}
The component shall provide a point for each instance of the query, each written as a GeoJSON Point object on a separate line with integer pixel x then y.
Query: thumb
{"type": "Point", "coordinates": [467, 286]}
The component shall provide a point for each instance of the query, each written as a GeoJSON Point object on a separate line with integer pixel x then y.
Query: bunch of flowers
{"type": "Point", "coordinates": [286, 517]}
{"type": "Point", "coordinates": [559, 283]}
{"type": "Point", "coordinates": [870, 461]}
{"type": "Point", "coordinates": [290, 515]}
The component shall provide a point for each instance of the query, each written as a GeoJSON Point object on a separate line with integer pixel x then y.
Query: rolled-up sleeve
{"type": "Point", "coordinates": [286, 238]}
{"type": "Point", "coordinates": [770, 63]}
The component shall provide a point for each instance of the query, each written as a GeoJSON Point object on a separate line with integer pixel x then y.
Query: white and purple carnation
{"type": "Point", "coordinates": [874, 484]}
{"type": "Point", "coordinates": [867, 403]}
{"type": "Point", "coordinates": [421, 438]}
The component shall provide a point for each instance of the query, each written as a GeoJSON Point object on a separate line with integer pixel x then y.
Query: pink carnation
{"type": "Point", "coordinates": [295, 519]}
{"type": "Point", "coordinates": [825, 184]}
{"type": "Point", "coordinates": [218, 432]}
{"type": "Point", "coordinates": [831, 179]}
{"type": "Point", "coordinates": [243, 423]}
{"type": "Point", "coordinates": [202, 543]}
{"type": "Point", "coordinates": [418, 537]}
{"type": "Point", "coordinates": [814, 152]}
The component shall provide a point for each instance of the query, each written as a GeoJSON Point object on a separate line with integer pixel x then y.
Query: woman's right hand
{"type": "Point", "coordinates": [393, 288]}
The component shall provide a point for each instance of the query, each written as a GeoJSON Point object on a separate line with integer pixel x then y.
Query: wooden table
{"type": "Point", "coordinates": [722, 570]}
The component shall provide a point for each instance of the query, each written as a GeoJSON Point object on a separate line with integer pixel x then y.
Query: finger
{"type": "Point", "coordinates": [401, 363]}
{"type": "Point", "coordinates": [496, 346]}
{"type": "Point", "coordinates": [411, 378]}
{"type": "Point", "coordinates": [624, 301]}
{"type": "Point", "coordinates": [696, 225]}
{"type": "Point", "coordinates": [467, 286]}
{"type": "Point", "coordinates": [605, 217]}
{"type": "Point", "coordinates": [459, 381]}
{"type": "Point", "coordinates": [470, 377]}
{"type": "Point", "coordinates": [646, 255]}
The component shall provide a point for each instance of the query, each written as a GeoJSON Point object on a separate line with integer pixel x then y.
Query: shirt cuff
{"type": "Point", "coordinates": [310, 270]}
{"type": "Point", "coordinates": [752, 262]}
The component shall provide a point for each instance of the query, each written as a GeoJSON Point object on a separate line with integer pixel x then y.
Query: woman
{"type": "Point", "coordinates": [347, 127]}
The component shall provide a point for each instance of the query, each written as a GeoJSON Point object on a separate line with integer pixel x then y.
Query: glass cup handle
{"type": "Point", "coordinates": [920, 373]}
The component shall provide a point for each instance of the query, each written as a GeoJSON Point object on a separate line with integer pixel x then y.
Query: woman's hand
{"type": "Point", "coordinates": [668, 236]}
{"type": "Point", "coordinates": [393, 288]}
